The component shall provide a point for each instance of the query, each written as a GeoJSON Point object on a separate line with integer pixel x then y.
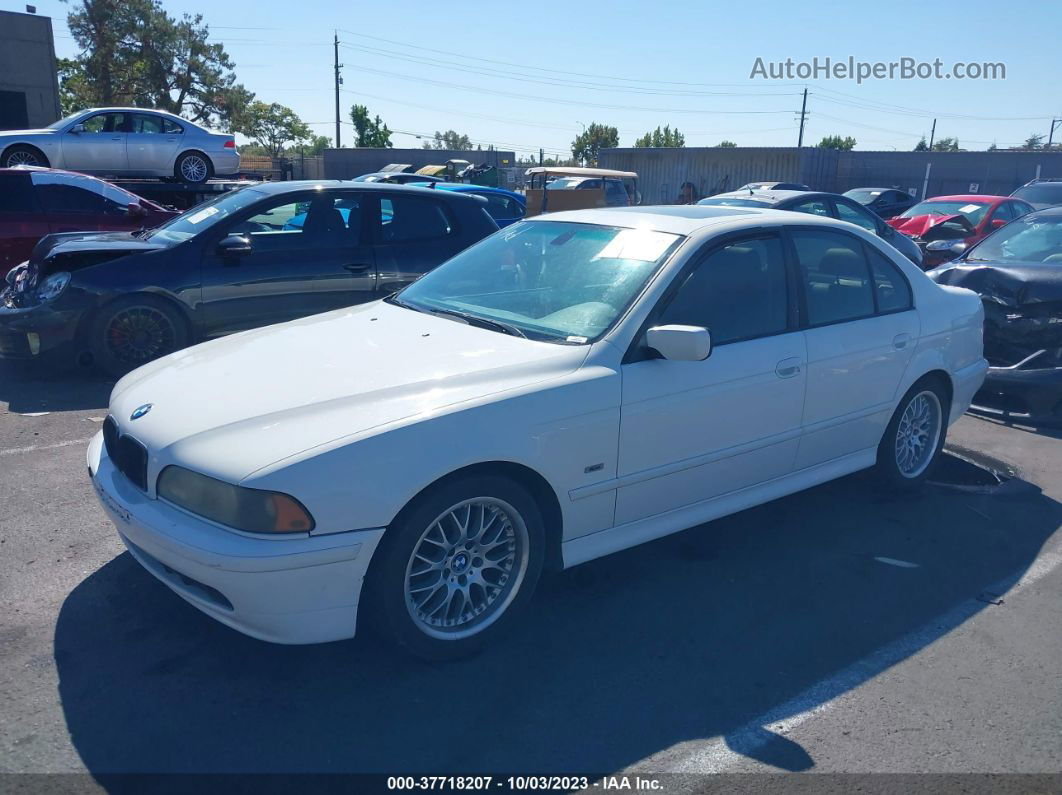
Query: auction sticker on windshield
{"type": "Point", "coordinates": [202, 215]}
{"type": "Point", "coordinates": [638, 244]}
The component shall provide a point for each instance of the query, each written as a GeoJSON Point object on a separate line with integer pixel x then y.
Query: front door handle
{"type": "Point", "coordinates": [900, 340]}
{"type": "Point", "coordinates": [357, 267]}
{"type": "Point", "coordinates": [787, 368]}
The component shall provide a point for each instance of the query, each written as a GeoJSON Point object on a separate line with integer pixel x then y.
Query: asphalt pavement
{"type": "Point", "coordinates": [840, 630]}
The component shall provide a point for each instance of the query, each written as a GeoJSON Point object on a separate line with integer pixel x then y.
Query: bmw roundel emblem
{"type": "Point", "coordinates": [140, 411]}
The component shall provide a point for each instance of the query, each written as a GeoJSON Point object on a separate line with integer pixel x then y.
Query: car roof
{"type": "Point", "coordinates": [578, 171]}
{"type": "Point", "coordinates": [968, 197]}
{"type": "Point", "coordinates": [683, 219]}
{"type": "Point", "coordinates": [773, 196]}
{"type": "Point", "coordinates": [466, 187]}
{"type": "Point", "coordinates": [273, 188]}
{"type": "Point", "coordinates": [1047, 211]}
{"type": "Point", "coordinates": [900, 190]}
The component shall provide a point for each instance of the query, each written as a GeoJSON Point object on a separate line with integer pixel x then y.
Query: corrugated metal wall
{"type": "Point", "coordinates": [350, 163]}
{"type": "Point", "coordinates": [713, 170]}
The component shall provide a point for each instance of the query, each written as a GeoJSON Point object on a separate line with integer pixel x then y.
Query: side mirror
{"type": "Point", "coordinates": [953, 247]}
{"type": "Point", "coordinates": [998, 223]}
{"type": "Point", "coordinates": [77, 129]}
{"type": "Point", "coordinates": [680, 343]}
{"type": "Point", "coordinates": [234, 246]}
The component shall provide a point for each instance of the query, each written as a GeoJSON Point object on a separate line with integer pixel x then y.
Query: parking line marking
{"type": "Point", "coordinates": [726, 752]}
{"type": "Point", "coordinates": [33, 448]}
{"type": "Point", "coordinates": [903, 564]}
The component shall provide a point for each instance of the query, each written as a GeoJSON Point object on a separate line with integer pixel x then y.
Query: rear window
{"type": "Point", "coordinates": [16, 194]}
{"type": "Point", "coordinates": [1047, 193]}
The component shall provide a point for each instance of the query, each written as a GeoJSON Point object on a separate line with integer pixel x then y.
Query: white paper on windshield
{"type": "Point", "coordinates": [970, 208]}
{"type": "Point", "coordinates": [638, 244]}
{"type": "Point", "coordinates": [875, 193]}
{"type": "Point", "coordinates": [202, 215]}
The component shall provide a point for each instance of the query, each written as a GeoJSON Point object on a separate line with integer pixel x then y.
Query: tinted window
{"type": "Point", "coordinates": [107, 122]}
{"type": "Point", "coordinates": [615, 194]}
{"type": "Point", "coordinates": [71, 199]}
{"type": "Point", "coordinates": [737, 292]}
{"type": "Point", "coordinates": [501, 207]}
{"type": "Point", "coordinates": [891, 290]}
{"type": "Point", "coordinates": [143, 123]}
{"type": "Point", "coordinates": [1044, 193]}
{"type": "Point", "coordinates": [405, 218]}
{"type": "Point", "coordinates": [171, 127]}
{"type": "Point", "coordinates": [812, 207]}
{"type": "Point", "coordinates": [836, 278]}
{"type": "Point", "coordinates": [323, 221]}
{"type": "Point", "coordinates": [16, 194]}
{"type": "Point", "coordinates": [857, 216]}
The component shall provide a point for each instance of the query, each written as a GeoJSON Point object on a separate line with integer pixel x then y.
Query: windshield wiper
{"type": "Point", "coordinates": [482, 322]}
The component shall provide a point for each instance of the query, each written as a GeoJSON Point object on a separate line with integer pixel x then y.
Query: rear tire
{"type": "Point", "coordinates": [911, 445]}
{"type": "Point", "coordinates": [456, 567]}
{"type": "Point", "coordinates": [193, 168]}
{"type": "Point", "coordinates": [24, 155]}
{"type": "Point", "coordinates": [133, 331]}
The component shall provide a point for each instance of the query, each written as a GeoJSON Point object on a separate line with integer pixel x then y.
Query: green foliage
{"type": "Point", "coordinates": [316, 145]}
{"type": "Point", "coordinates": [272, 126]}
{"type": "Point", "coordinates": [592, 140]}
{"type": "Point", "coordinates": [372, 133]}
{"type": "Point", "coordinates": [134, 53]}
{"type": "Point", "coordinates": [1034, 141]}
{"type": "Point", "coordinates": [946, 145]}
{"type": "Point", "coordinates": [922, 146]}
{"type": "Point", "coordinates": [726, 145]}
{"type": "Point", "coordinates": [837, 142]}
{"type": "Point", "coordinates": [662, 137]}
{"type": "Point", "coordinates": [448, 140]}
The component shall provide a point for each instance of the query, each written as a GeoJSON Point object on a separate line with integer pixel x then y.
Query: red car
{"type": "Point", "coordinates": [35, 202]}
{"type": "Point", "coordinates": [945, 226]}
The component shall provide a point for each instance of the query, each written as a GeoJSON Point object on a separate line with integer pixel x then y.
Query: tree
{"type": "Point", "coordinates": [448, 140]}
{"type": "Point", "coordinates": [372, 133]}
{"type": "Point", "coordinates": [317, 144]}
{"type": "Point", "coordinates": [946, 145]}
{"type": "Point", "coordinates": [592, 140]}
{"type": "Point", "coordinates": [837, 142]}
{"type": "Point", "coordinates": [1034, 141]}
{"type": "Point", "coordinates": [272, 126]}
{"type": "Point", "coordinates": [660, 138]}
{"type": "Point", "coordinates": [726, 145]}
{"type": "Point", "coordinates": [134, 53]}
{"type": "Point", "coordinates": [921, 146]}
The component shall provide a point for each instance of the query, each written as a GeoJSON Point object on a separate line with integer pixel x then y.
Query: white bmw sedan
{"type": "Point", "coordinates": [128, 142]}
{"type": "Point", "coordinates": [571, 386]}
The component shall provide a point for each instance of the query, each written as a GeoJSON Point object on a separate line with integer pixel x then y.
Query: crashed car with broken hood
{"type": "Point", "coordinates": [945, 226]}
{"type": "Point", "coordinates": [1017, 271]}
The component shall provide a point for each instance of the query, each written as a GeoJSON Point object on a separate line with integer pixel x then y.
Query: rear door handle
{"type": "Point", "coordinates": [357, 267]}
{"type": "Point", "coordinates": [900, 340]}
{"type": "Point", "coordinates": [787, 368]}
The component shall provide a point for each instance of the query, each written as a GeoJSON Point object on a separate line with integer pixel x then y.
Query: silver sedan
{"type": "Point", "coordinates": [124, 142]}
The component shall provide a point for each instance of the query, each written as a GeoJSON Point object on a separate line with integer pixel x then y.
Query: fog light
{"type": "Point", "coordinates": [34, 342]}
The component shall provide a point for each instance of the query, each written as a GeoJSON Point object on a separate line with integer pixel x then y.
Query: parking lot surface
{"type": "Point", "coordinates": [837, 630]}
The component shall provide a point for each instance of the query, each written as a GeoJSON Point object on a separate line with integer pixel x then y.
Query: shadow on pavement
{"type": "Point", "coordinates": [687, 638]}
{"type": "Point", "coordinates": [31, 387]}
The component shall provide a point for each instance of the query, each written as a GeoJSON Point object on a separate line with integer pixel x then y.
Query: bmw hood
{"type": "Point", "coordinates": [230, 407]}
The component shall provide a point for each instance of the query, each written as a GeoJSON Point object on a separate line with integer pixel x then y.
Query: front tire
{"type": "Point", "coordinates": [133, 331]}
{"type": "Point", "coordinates": [194, 168]}
{"type": "Point", "coordinates": [456, 566]}
{"type": "Point", "coordinates": [24, 155]}
{"type": "Point", "coordinates": [910, 448]}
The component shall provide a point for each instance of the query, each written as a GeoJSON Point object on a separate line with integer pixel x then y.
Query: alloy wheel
{"type": "Point", "coordinates": [22, 157]}
{"type": "Point", "coordinates": [139, 334]}
{"type": "Point", "coordinates": [918, 433]}
{"type": "Point", "coordinates": [193, 168]}
{"type": "Point", "coordinates": [466, 568]}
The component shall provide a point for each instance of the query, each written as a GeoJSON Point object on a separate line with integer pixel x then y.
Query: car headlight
{"type": "Point", "coordinates": [251, 510]}
{"type": "Point", "coordinates": [943, 245]}
{"type": "Point", "coordinates": [52, 286]}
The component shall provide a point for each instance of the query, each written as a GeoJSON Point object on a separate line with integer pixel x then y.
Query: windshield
{"type": "Point", "coordinates": [1050, 193]}
{"type": "Point", "coordinates": [55, 125]}
{"type": "Point", "coordinates": [973, 211]}
{"type": "Point", "coordinates": [565, 183]}
{"type": "Point", "coordinates": [549, 280]}
{"type": "Point", "coordinates": [734, 202]}
{"type": "Point", "coordinates": [1028, 240]}
{"type": "Point", "coordinates": [203, 216]}
{"type": "Point", "coordinates": [863, 196]}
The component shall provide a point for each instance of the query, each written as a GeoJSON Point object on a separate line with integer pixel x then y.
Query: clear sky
{"type": "Point", "coordinates": [528, 75]}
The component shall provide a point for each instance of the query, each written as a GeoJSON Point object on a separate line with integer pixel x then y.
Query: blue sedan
{"type": "Point", "coordinates": [504, 206]}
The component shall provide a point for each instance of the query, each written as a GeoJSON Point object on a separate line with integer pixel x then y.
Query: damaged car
{"type": "Point", "coordinates": [1017, 271]}
{"type": "Point", "coordinates": [945, 226]}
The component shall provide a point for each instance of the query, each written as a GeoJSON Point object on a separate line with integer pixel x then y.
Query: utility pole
{"type": "Point", "coordinates": [932, 134]}
{"type": "Point", "coordinates": [541, 156]}
{"type": "Point", "coordinates": [1051, 135]}
{"type": "Point", "coordinates": [803, 116]}
{"type": "Point", "coordinates": [339, 82]}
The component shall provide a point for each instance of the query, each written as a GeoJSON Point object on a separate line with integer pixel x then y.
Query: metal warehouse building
{"type": "Point", "coordinates": [714, 170]}
{"type": "Point", "coordinates": [29, 86]}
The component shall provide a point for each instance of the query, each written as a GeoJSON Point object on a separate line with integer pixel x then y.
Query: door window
{"type": "Point", "coordinates": [892, 293]}
{"type": "Point", "coordinates": [143, 123]}
{"type": "Point", "coordinates": [501, 207]}
{"type": "Point", "coordinates": [856, 215]}
{"type": "Point", "coordinates": [737, 292]}
{"type": "Point", "coordinates": [318, 222]}
{"type": "Point", "coordinates": [107, 122]}
{"type": "Point", "coordinates": [410, 218]}
{"type": "Point", "coordinates": [56, 198]}
{"type": "Point", "coordinates": [812, 207]}
{"type": "Point", "coordinates": [16, 194]}
{"type": "Point", "coordinates": [171, 127]}
{"type": "Point", "coordinates": [835, 275]}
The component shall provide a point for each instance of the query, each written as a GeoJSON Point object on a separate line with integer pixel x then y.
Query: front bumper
{"type": "Point", "coordinates": [1033, 394]}
{"type": "Point", "coordinates": [283, 590]}
{"type": "Point", "coordinates": [33, 332]}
